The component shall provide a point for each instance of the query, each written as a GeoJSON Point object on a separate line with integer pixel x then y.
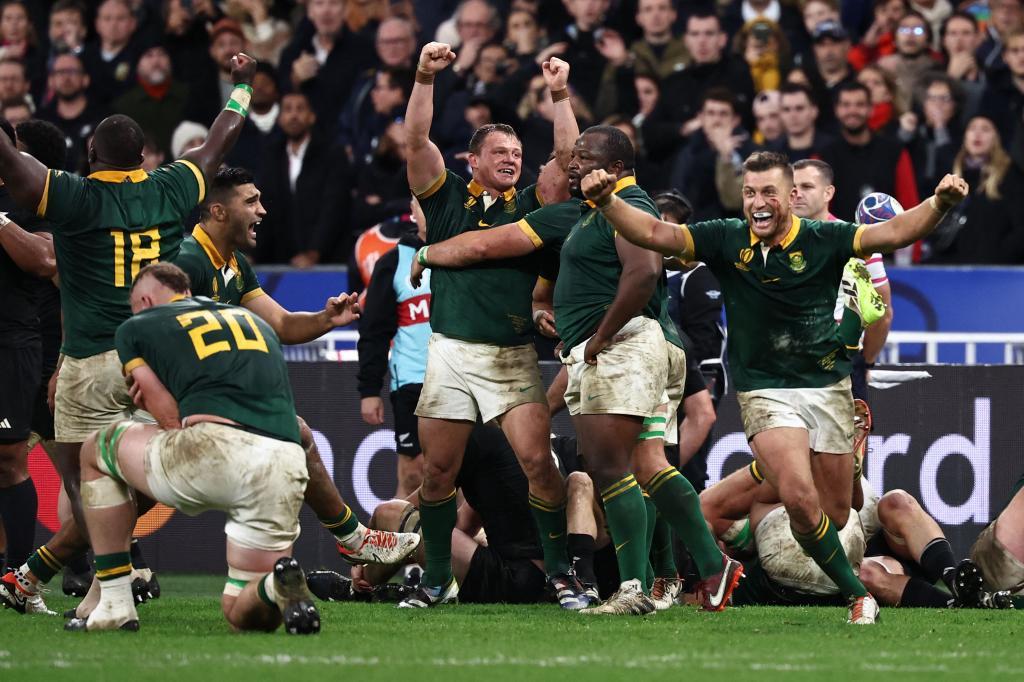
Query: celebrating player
{"type": "Point", "coordinates": [779, 274]}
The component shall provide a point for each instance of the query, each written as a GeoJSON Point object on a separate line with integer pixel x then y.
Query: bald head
{"type": "Point", "coordinates": [117, 143]}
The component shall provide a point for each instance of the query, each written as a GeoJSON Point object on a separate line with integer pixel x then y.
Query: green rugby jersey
{"type": "Point", "coordinates": [490, 302]}
{"type": "Point", "coordinates": [779, 303]}
{"type": "Point", "coordinates": [106, 227]}
{"type": "Point", "coordinates": [233, 282]}
{"type": "Point", "coordinates": [589, 271]}
{"type": "Point", "coordinates": [214, 359]}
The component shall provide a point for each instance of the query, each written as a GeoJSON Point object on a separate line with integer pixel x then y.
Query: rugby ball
{"type": "Point", "coordinates": [877, 207]}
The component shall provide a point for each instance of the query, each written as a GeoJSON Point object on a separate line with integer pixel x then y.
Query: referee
{"type": "Point", "coordinates": [26, 263]}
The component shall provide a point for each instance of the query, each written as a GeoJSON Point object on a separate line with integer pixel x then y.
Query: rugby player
{"type": "Point", "coordinates": [779, 274]}
{"type": "Point", "coordinates": [215, 380]}
{"type": "Point", "coordinates": [999, 550]}
{"type": "Point", "coordinates": [217, 269]}
{"type": "Point", "coordinates": [106, 228]}
{"type": "Point", "coordinates": [480, 361]}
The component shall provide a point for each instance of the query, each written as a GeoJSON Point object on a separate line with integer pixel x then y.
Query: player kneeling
{"type": "Point", "coordinates": [221, 368]}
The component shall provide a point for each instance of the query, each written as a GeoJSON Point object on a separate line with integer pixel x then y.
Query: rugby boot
{"type": "Point", "coordinates": [379, 547]}
{"type": "Point", "coordinates": [425, 597]}
{"type": "Point", "coordinates": [568, 591]}
{"type": "Point", "coordinates": [629, 600]}
{"type": "Point", "coordinates": [864, 611]}
{"type": "Point", "coordinates": [664, 592]}
{"type": "Point", "coordinates": [294, 598]}
{"type": "Point", "coordinates": [714, 591]}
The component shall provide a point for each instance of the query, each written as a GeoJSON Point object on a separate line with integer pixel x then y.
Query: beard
{"type": "Point", "coordinates": [70, 96]}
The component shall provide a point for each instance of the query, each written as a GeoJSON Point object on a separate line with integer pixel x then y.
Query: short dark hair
{"type": "Point", "coordinates": [959, 14]}
{"type": "Point", "coordinates": [851, 86]}
{"type": "Point", "coordinates": [789, 88]}
{"type": "Point", "coordinates": [43, 141]}
{"type": "Point", "coordinates": [69, 6]}
{"type": "Point", "coordinates": [11, 60]}
{"type": "Point", "coordinates": [168, 274]}
{"type": "Point", "coordinates": [617, 146]}
{"type": "Point", "coordinates": [674, 205]}
{"type": "Point", "coordinates": [476, 142]}
{"type": "Point", "coordinates": [703, 13]}
{"type": "Point", "coordinates": [762, 161]}
{"type": "Point", "coordinates": [223, 184]}
{"type": "Point", "coordinates": [118, 142]}
{"type": "Point", "coordinates": [720, 94]}
{"type": "Point", "coordinates": [817, 164]}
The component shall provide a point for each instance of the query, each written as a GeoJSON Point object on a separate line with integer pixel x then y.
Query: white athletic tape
{"type": "Point", "coordinates": [247, 576]}
{"type": "Point", "coordinates": [104, 492]}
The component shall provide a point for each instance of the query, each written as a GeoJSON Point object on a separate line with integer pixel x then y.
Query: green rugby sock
{"type": "Point", "coordinates": [823, 545]}
{"type": "Point", "coordinates": [554, 538]}
{"type": "Point", "coordinates": [342, 525]}
{"type": "Point", "coordinates": [680, 507]}
{"type": "Point", "coordinates": [850, 328]}
{"type": "Point", "coordinates": [111, 566]}
{"type": "Point", "coordinates": [652, 520]}
{"type": "Point", "coordinates": [626, 514]}
{"type": "Point", "coordinates": [437, 520]}
{"type": "Point", "coordinates": [44, 565]}
{"type": "Point", "coordinates": [661, 550]}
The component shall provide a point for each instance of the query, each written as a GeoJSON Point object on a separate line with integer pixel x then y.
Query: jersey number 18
{"type": "Point", "coordinates": [141, 255]}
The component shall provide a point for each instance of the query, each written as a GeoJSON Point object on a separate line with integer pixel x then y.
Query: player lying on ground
{"type": "Point", "coordinates": [999, 550]}
{"type": "Point", "coordinates": [214, 378]}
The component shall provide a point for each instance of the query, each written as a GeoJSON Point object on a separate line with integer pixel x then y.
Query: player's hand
{"type": "Point", "coordinates": [51, 390]}
{"type": "Point", "coordinates": [556, 73]}
{"type": "Point", "coordinates": [544, 320]}
{"type": "Point", "coordinates": [416, 273]}
{"type": "Point", "coordinates": [304, 68]}
{"type": "Point", "coordinates": [342, 309]}
{"type": "Point", "coordinates": [359, 581]}
{"type": "Point", "coordinates": [135, 392]}
{"type": "Point", "coordinates": [950, 191]}
{"type": "Point", "coordinates": [612, 47]}
{"type": "Point", "coordinates": [594, 346]}
{"type": "Point", "coordinates": [372, 410]}
{"type": "Point", "coordinates": [243, 68]}
{"type": "Point", "coordinates": [597, 185]}
{"type": "Point", "coordinates": [435, 57]}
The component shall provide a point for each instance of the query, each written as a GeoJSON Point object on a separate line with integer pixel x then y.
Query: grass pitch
{"type": "Point", "coordinates": [184, 637]}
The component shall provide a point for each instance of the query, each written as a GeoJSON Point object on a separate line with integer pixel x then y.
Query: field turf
{"type": "Point", "coordinates": [184, 637]}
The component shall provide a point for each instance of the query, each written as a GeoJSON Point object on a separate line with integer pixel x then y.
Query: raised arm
{"type": "Point", "coordinates": [918, 222]}
{"type": "Point", "coordinates": [24, 177]}
{"type": "Point", "coordinates": [424, 161]}
{"type": "Point", "coordinates": [303, 327]}
{"type": "Point", "coordinates": [634, 225]}
{"type": "Point", "coordinates": [567, 130]}
{"type": "Point", "coordinates": [228, 125]}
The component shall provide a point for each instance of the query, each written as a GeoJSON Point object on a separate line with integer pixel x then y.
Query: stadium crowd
{"type": "Point", "coordinates": [696, 85]}
{"type": "Point", "coordinates": [344, 123]}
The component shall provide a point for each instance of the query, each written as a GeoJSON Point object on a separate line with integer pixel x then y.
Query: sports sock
{"type": "Point", "coordinates": [267, 591]}
{"type": "Point", "coordinates": [921, 593]}
{"type": "Point", "coordinates": [43, 564]}
{"type": "Point", "coordinates": [626, 514]}
{"type": "Point", "coordinates": [661, 550]}
{"type": "Point", "coordinates": [344, 526]}
{"type": "Point", "coordinates": [111, 566]}
{"type": "Point", "coordinates": [138, 561]}
{"type": "Point", "coordinates": [554, 537]}
{"type": "Point", "coordinates": [581, 551]}
{"type": "Point", "coordinates": [680, 507]}
{"type": "Point", "coordinates": [18, 507]}
{"type": "Point", "coordinates": [823, 545]}
{"type": "Point", "coordinates": [437, 520]}
{"type": "Point", "coordinates": [850, 328]}
{"type": "Point", "coordinates": [652, 520]}
{"type": "Point", "coordinates": [936, 558]}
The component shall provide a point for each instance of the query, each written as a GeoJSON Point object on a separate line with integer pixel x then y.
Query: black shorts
{"type": "Point", "coordinates": [407, 434]}
{"type": "Point", "coordinates": [20, 368]}
{"type": "Point", "coordinates": [492, 579]}
{"type": "Point", "coordinates": [694, 380]}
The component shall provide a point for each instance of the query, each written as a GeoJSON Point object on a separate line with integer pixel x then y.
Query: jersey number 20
{"type": "Point", "coordinates": [214, 321]}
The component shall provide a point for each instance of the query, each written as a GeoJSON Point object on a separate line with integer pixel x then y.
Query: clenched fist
{"type": "Point", "coordinates": [556, 73]}
{"type": "Point", "coordinates": [598, 186]}
{"type": "Point", "coordinates": [950, 191]}
{"type": "Point", "coordinates": [435, 57]}
{"type": "Point", "coordinates": [243, 68]}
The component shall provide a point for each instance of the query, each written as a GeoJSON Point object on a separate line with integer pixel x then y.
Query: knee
{"type": "Point", "coordinates": [580, 486]}
{"type": "Point", "coordinates": [840, 516]}
{"type": "Point", "coordinates": [894, 505]}
{"type": "Point", "coordinates": [538, 466]}
{"type": "Point", "coordinates": [800, 500]}
{"type": "Point", "coordinates": [438, 473]}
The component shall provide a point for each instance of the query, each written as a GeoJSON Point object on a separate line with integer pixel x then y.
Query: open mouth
{"type": "Point", "coordinates": [761, 219]}
{"type": "Point", "coordinates": [508, 172]}
{"type": "Point", "coordinates": [251, 231]}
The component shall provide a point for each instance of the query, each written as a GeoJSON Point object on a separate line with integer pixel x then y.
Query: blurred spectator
{"type": "Point", "coordinates": [71, 109]}
{"type": "Point", "coordinates": [187, 135]}
{"type": "Point", "coordinates": [536, 113]}
{"type": "Point", "coordinates": [302, 181]}
{"type": "Point", "coordinates": [741, 13]}
{"type": "Point", "coordinates": [880, 38]}
{"type": "Point", "coordinates": [935, 12]}
{"type": "Point", "coordinates": [523, 35]}
{"type": "Point", "coordinates": [15, 110]}
{"type": "Point", "coordinates": [18, 38]}
{"type": "Point", "coordinates": [475, 24]}
{"type": "Point", "coordinates": [265, 34]}
{"type": "Point", "coordinates": [961, 38]}
{"type": "Point", "coordinates": [988, 227]}
{"type": "Point", "coordinates": [885, 110]}
{"type": "Point", "coordinates": [188, 43]}
{"type": "Point", "coordinates": [676, 115]}
{"type": "Point", "coordinates": [156, 102]}
{"type": "Point", "coordinates": [388, 98]}
{"type": "Point", "coordinates": [1006, 17]}
{"type": "Point", "coordinates": [706, 169]}
{"type": "Point", "coordinates": [14, 83]}
{"type": "Point", "coordinates": [324, 65]}
{"type": "Point", "coordinates": [647, 92]}
{"type": "Point", "coordinates": [763, 46]}
{"type": "Point", "coordinates": [208, 94]}
{"type": "Point", "coordinates": [912, 59]}
{"type": "Point", "coordinates": [382, 190]}
{"type": "Point", "coordinates": [862, 161]}
{"type": "Point", "coordinates": [801, 138]}
{"type": "Point", "coordinates": [152, 156]}
{"type": "Point", "coordinates": [767, 117]}
{"type": "Point", "coordinates": [590, 47]}
{"type": "Point", "coordinates": [659, 53]}
{"type": "Point", "coordinates": [264, 107]}
{"type": "Point", "coordinates": [933, 136]}
{"type": "Point", "coordinates": [1003, 99]}
{"type": "Point", "coordinates": [67, 27]}
{"type": "Point", "coordinates": [831, 46]}
{"type": "Point", "coordinates": [813, 12]}
{"type": "Point", "coordinates": [111, 56]}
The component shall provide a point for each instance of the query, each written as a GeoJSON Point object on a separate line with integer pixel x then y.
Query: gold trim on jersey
{"type": "Point", "coordinates": [689, 251]}
{"type": "Point", "coordinates": [132, 364]}
{"type": "Point", "coordinates": [858, 235]}
{"type": "Point", "coordinates": [255, 293]}
{"type": "Point", "coordinates": [137, 175]}
{"type": "Point", "coordinates": [531, 233]}
{"type": "Point", "coordinates": [794, 230]}
{"type": "Point", "coordinates": [199, 178]}
{"type": "Point", "coordinates": [43, 200]}
{"type": "Point", "coordinates": [476, 189]}
{"type": "Point", "coordinates": [620, 185]}
{"type": "Point", "coordinates": [217, 260]}
{"type": "Point", "coordinates": [432, 188]}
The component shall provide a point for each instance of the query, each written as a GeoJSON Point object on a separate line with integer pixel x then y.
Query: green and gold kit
{"type": "Point", "coordinates": [106, 227]}
{"type": "Point", "coordinates": [779, 301]}
{"type": "Point", "coordinates": [214, 359]}
{"type": "Point", "coordinates": [589, 270]}
{"type": "Point", "coordinates": [233, 282]}
{"type": "Point", "coordinates": [490, 302]}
